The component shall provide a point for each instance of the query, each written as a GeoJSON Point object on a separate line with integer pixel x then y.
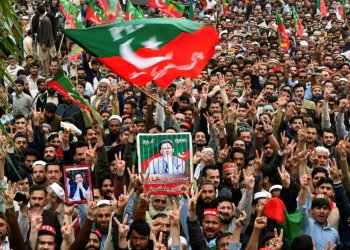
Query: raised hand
{"type": "Point", "coordinates": [158, 245]}
{"type": "Point", "coordinates": [235, 179]}
{"type": "Point", "coordinates": [90, 153]}
{"type": "Point", "coordinates": [120, 164]}
{"type": "Point", "coordinates": [192, 208]}
{"type": "Point", "coordinates": [304, 181]}
{"type": "Point", "coordinates": [9, 196]}
{"type": "Point", "coordinates": [284, 140]}
{"type": "Point", "coordinates": [258, 161]}
{"type": "Point", "coordinates": [284, 175]}
{"type": "Point", "coordinates": [260, 223]}
{"type": "Point", "coordinates": [186, 189]}
{"type": "Point", "coordinates": [302, 135]}
{"type": "Point", "coordinates": [91, 208]}
{"type": "Point", "coordinates": [122, 227]}
{"type": "Point", "coordinates": [123, 199]}
{"type": "Point", "coordinates": [174, 215]}
{"type": "Point", "coordinates": [334, 171]}
{"type": "Point", "coordinates": [36, 221]}
{"type": "Point", "coordinates": [249, 180]}
{"type": "Point", "coordinates": [224, 153]}
{"type": "Point", "coordinates": [276, 242]}
{"type": "Point", "coordinates": [132, 178]}
{"type": "Point", "coordinates": [67, 229]}
{"type": "Point", "coordinates": [69, 209]}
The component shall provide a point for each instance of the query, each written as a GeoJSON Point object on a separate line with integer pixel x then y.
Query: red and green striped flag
{"type": "Point", "coordinates": [131, 13]}
{"type": "Point", "coordinates": [64, 87]}
{"type": "Point", "coordinates": [147, 50]}
{"type": "Point", "coordinates": [172, 9]}
{"type": "Point", "coordinates": [71, 12]}
{"type": "Point", "coordinates": [95, 14]}
{"type": "Point", "coordinates": [204, 3]}
{"type": "Point", "coordinates": [321, 7]}
{"type": "Point", "coordinates": [297, 23]}
{"type": "Point", "coordinates": [284, 40]}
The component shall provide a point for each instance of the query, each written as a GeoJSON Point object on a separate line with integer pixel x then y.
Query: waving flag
{"type": "Point", "coordinates": [95, 14]}
{"type": "Point", "coordinates": [71, 12]}
{"type": "Point", "coordinates": [148, 49]}
{"type": "Point", "coordinates": [285, 43]}
{"type": "Point", "coordinates": [297, 23]}
{"type": "Point", "coordinates": [75, 53]}
{"type": "Point", "coordinates": [167, 7]}
{"type": "Point", "coordinates": [131, 12]}
{"type": "Point", "coordinates": [111, 9]}
{"type": "Point", "coordinates": [321, 7]}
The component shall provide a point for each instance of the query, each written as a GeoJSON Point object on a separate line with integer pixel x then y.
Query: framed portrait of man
{"type": "Point", "coordinates": [167, 159]}
{"type": "Point", "coordinates": [77, 183]}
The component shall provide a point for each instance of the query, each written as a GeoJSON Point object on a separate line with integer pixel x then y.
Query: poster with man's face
{"type": "Point", "coordinates": [167, 158]}
{"type": "Point", "coordinates": [77, 183]}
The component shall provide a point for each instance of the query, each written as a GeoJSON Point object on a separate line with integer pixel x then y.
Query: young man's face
{"type": "Point", "coordinates": [320, 214]}
{"type": "Point", "coordinates": [54, 174]}
{"type": "Point", "coordinates": [138, 241]}
{"type": "Point", "coordinates": [211, 226]}
{"type": "Point", "coordinates": [46, 242]}
{"type": "Point", "coordinates": [325, 188]}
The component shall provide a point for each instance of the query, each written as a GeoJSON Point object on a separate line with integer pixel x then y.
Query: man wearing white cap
{"type": "Point", "coordinates": [56, 201]}
{"type": "Point", "coordinates": [103, 217]}
{"type": "Point", "coordinates": [114, 125]}
{"type": "Point", "coordinates": [39, 172]}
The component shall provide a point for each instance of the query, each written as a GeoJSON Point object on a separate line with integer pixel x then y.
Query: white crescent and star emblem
{"type": "Point", "coordinates": [127, 53]}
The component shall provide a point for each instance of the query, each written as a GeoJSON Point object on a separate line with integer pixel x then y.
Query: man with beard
{"type": "Point", "coordinates": [199, 141]}
{"type": "Point", "coordinates": [113, 130]}
{"type": "Point", "coordinates": [21, 102]}
{"type": "Point", "coordinates": [205, 238]}
{"type": "Point", "coordinates": [103, 217]}
{"type": "Point", "coordinates": [51, 96]}
{"type": "Point", "coordinates": [107, 186]}
{"type": "Point", "coordinates": [206, 198]}
{"type": "Point", "coordinates": [139, 236]}
{"type": "Point", "coordinates": [67, 108]}
{"type": "Point", "coordinates": [50, 116]}
{"type": "Point", "coordinates": [30, 156]}
{"type": "Point", "coordinates": [90, 136]}
{"type": "Point", "coordinates": [37, 200]}
{"type": "Point", "coordinates": [50, 153]}
{"type": "Point", "coordinates": [16, 157]}
{"type": "Point", "coordinates": [162, 223]}
{"type": "Point", "coordinates": [39, 173]}
{"type": "Point", "coordinates": [328, 140]}
{"type": "Point", "coordinates": [94, 242]}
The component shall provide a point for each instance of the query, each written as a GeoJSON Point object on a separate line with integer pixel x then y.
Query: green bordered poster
{"type": "Point", "coordinates": [167, 158]}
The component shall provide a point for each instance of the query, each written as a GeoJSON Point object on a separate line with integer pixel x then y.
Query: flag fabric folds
{"type": "Point", "coordinates": [297, 23]}
{"type": "Point", "coordinates": [284, 40]}
{"type": "Point", "coordinates": [167, 7]}
{"type": "Point", "coordinates": [147, 50]}
{"type": "Point", "coordinates": [131, 12]}
{"type": "Point", "coordinates": [71, 12]}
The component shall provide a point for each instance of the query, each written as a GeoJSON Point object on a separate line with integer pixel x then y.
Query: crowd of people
{"type": "Point", "coordinates": [269, 126]}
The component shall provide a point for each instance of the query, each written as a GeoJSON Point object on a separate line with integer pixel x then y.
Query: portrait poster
{"type": "Point", "coordinates": [167, 158]}
{"type": "Point", "coordinates": [77, 183]}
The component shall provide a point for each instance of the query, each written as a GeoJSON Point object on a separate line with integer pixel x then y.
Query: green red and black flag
{"type": "Point", "coordinates": [284, 39]}
{"type": "Point", "coordinates": [297, 23]}
{"type": "Point", "coordinates": [131, 13]}
{"type": "Point", "coordinates": [321, 7]}
{"type": "Point", "coordinates": [147, 50]}
{"type": "Point", "coordinates": [71, 12]}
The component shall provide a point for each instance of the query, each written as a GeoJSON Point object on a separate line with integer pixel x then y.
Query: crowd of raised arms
{"type": "Point", "coordinates": [270, 130]}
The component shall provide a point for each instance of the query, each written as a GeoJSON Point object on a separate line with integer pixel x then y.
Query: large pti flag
{"type": "Point", "coordinates": [167, 158]}
{"type": "Point", "coordinates": [147, 50]}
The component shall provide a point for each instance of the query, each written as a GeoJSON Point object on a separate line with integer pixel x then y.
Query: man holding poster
{"type": "Point", "coordinates": [167, 159]}
{"type": "Point", "coordinates": [168, 163]}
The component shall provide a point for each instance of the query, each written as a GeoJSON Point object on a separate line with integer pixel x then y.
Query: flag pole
{"type": "Point", "coordinates": [151, 96]}
{"type": "Point", "coordinates": [59, 49]}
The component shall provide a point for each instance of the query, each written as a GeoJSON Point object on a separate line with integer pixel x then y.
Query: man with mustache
{"type": "Point", "coordinates": [103, 217]}
{"type": "Point", "coordinates": [37, 201]}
